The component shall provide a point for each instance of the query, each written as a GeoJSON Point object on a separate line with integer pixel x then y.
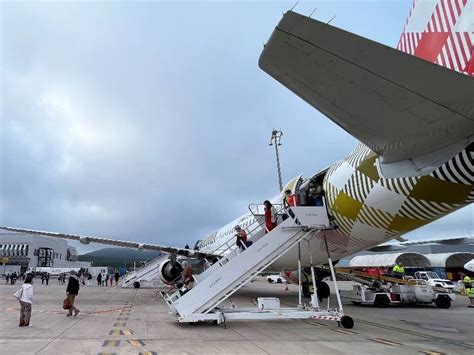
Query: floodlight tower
{"type": "Point", "coordinates": [276, 141]}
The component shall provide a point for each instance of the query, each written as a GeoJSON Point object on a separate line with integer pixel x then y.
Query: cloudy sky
{"type": "Point", "coordinates": [150, 121]}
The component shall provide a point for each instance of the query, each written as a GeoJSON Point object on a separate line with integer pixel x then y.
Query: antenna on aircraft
{"type": "Point", "coordinates": [291, 8]}
{"type": "Point", "coordinates": [276, 141]}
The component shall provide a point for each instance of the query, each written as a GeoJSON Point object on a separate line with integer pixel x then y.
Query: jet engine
{"type": "Point", "coordinates": [170, 271]}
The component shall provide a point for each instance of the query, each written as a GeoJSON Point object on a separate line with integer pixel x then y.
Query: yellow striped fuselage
{"type": "Point", "coordinates": [370, 209]}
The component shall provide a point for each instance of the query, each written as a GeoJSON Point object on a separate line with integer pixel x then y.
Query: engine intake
{"type": "Point", "coordinates": [170, 272]}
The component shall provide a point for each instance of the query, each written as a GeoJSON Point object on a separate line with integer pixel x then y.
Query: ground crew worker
{"type": "Point", "coordinates": [467, 281]}
{"type": "Point", "coordinates": [398, 270]}
{"type": "Point", "coordinates": [322, 291]}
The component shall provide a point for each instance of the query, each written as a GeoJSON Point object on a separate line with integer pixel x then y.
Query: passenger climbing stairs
{"type": "Point", "coordinates": [235, 269]}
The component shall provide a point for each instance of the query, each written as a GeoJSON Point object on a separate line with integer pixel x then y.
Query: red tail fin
{"type": "Point", "coordinates": [442, 32]}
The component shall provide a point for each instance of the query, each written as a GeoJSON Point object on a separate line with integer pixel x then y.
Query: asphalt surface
{"type": "Point", "coordinates": [128, 321]}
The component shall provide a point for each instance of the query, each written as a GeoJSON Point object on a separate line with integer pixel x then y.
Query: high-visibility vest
{"type": "Point", "coordinates": [398, 269]}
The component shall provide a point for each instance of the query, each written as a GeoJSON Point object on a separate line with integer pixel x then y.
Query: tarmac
{"type": "Point", "coordinates": [114, 320]}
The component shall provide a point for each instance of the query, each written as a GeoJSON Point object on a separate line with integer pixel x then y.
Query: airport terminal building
{"type": "Point", "coordinates": [21, 251]}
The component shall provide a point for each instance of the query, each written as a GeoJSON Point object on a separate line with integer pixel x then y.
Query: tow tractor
{"type": "Point", "coordinates": [382, 291]}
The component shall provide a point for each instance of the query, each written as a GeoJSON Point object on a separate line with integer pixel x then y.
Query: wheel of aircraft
{"type": "Point", "coordinates": [323, 290]}
{"type": "Point", "coordinates": [347, 322]}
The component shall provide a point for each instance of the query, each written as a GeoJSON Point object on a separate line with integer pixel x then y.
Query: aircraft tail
{"type": "Point", "coordinates": [442, 32]}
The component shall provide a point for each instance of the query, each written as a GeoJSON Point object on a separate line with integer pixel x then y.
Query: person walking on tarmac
{"type": "Point", "coordinates": [467, 281]}
{"type": "Point", "coordinates": [270, 216]}
{"type": "Point", "coordinates": [72, 291]}
{"type": "Point", "coordinates": [25, 296]}
{"type": "Point", "coordinates": [398, 270]}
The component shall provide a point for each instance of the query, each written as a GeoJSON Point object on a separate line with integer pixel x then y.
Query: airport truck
{"type": "Point", "coordinates": [415, 292]}
{"type": "Point", "coordinates": [434, 280]}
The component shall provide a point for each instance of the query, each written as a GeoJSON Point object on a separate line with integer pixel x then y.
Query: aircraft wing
{"type": "Point", "coordinates": [119, 243]}
{"type": "Point", "coordinates": [405, 243]}
{"type": "Point", "coordinates": [400, 106]}
{"type": "Point", "coordinates": [444, 241]}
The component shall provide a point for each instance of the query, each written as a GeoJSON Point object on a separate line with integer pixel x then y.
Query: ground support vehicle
{"type": "Point", "coordinates": [418, 292]}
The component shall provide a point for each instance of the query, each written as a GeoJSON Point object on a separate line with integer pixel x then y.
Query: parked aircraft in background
{"type": "Point", "coordinates": [470, 265]}
{"type": "Point", "coordinates": [412, 110]}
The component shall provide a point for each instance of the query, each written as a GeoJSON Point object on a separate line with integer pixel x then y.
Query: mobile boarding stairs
{"type": "Point", "coordinates": [233, 270]}
{"type": "Point", "coordinates": [147, 275]}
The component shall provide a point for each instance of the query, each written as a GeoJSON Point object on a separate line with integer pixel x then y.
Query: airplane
{"type": "Point", "coordinates": [469, 265]}
{"type": "Point", "coordinates": [412, 110]}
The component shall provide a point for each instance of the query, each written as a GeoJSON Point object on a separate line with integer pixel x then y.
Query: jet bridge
{"type": "Point", "coordinates": [234, 269]}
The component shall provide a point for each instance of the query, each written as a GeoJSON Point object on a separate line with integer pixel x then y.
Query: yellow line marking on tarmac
{"type": "Point", "coordinates": [384, 341]}
{"type": "Point", "coordinates": [431, 352]}
{"type": "Point", "coordinates": [107, 354]}
{"type": "Point", "coordinates": [136, 343]}
{"type": "Point", "coordinates": [344, 331]}
{"type": "Point", "coordinates": [120, 324]}
{"type": "Point", "coordinates": [111, 343]}
{"type": "Point", "coordinates": [148, 353]}
{"type": "Point", "coordinates": [122, 318]}
{"type": "Point", "coordinates": [121, 332]}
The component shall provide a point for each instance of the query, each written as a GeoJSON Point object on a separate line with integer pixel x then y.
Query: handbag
{"type": "Point", "coordinates": [66, 303]}
{"type": "Point", "coordinates": [18, 294]}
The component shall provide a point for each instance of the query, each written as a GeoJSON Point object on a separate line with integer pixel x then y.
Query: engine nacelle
{"type": "Point", "coordinates": [170, 272]}
{"type": "Point", "coordinates": [84, 240]}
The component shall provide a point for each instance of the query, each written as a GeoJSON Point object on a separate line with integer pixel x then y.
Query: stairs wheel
{"type": "Point", "coordinates": [214, 322]}
{"type": "Point", "coordinates": [136, 284]}
{"type": "Point", "coordinates": [347, 322]}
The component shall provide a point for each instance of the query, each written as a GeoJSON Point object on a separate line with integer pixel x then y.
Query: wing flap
{"type": "Point", "coordinates": [398, 105]}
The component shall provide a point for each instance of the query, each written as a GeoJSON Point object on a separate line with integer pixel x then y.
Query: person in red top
{"type": "Point", "coordinates": [290, 201]}
{"type": "Point", "coordinates": [270, 216]}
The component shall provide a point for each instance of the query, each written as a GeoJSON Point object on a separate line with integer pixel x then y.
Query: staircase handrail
{"type": "Point", "coordinates": [225, 244]}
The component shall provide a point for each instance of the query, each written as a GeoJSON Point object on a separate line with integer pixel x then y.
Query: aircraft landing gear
{"type": "Point", "coordinates": [347, 322]}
